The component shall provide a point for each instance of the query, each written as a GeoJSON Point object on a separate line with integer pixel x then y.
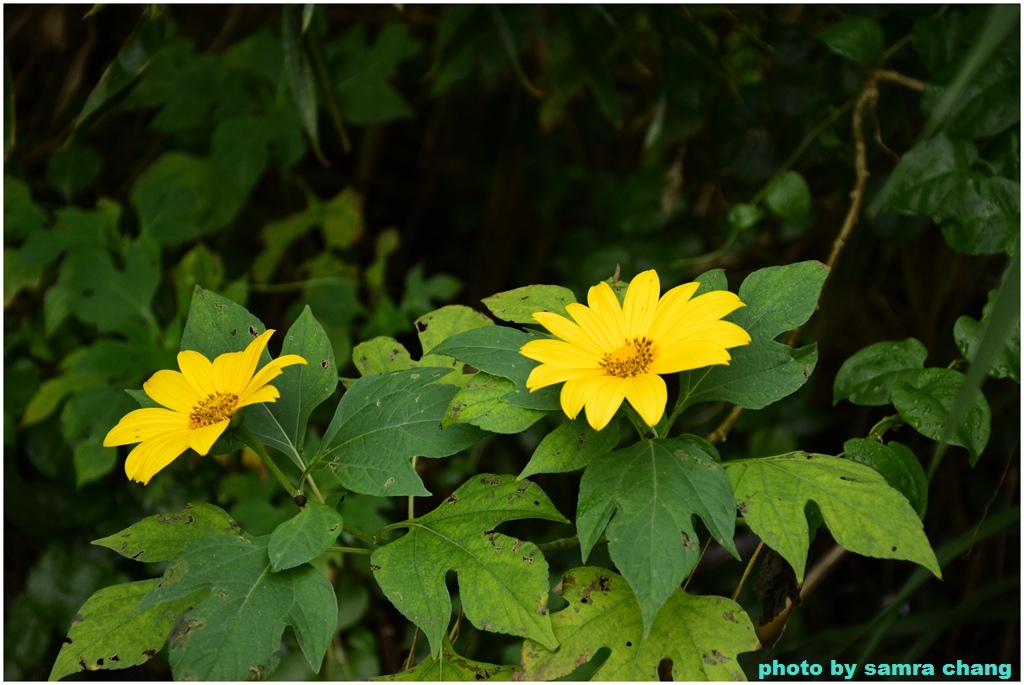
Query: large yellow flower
{"type": "Point", "coordinates": [200, 402]}
{"type": "Point", "coordinates": [608, 353]}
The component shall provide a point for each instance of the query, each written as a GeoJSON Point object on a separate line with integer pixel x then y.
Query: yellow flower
{"type": "Point", "coordinates": [608, 353]}
{"type": "Point", "coordinates": [200, 402]}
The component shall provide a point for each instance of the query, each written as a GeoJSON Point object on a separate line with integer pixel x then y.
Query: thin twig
{"type": "Point", "coordinates": [700, 559]}
{"type": "Point", "coordinates": [412, 651]}
{"type": "Point", "coordinates": [746, 571]}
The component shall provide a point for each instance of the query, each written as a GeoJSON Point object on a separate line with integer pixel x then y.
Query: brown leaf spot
{"type": "Point", "coordinates": [718, 655]}
{"type": "Point", "coordinates": [253, 332]}
{"type": "Point", "coordinates": [708, 660]}
{"type": "Point", "coordinates": [67, 640]}
{"type": "Point", "coordinates": [325, 364]}
{"type": "Point", "coordinates": [728, 616]}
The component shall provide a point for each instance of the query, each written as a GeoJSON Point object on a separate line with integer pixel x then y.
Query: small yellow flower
{"type": "Point", "coordinates": [200, 402]}
{"type": "Point", "coordinates": [608, 353]}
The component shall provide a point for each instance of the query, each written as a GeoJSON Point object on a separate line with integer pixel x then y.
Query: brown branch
{"type": "Point", "coordinates": [811, 581]}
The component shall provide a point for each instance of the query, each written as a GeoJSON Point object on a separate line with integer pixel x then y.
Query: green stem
{"type": "Point", "coordinates": [886, 424]}
{"type": "Point", "coordinates": [349, 550]}
{"type": "Point", "coordinates": [567, 543]}
{"type": "Point", "coordinates": [250, 440]}
{"type": "Point", "coordinates": [359, 534]}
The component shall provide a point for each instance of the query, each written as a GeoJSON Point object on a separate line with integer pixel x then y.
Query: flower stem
{"type": "Point", "coordinates": [250, 440]}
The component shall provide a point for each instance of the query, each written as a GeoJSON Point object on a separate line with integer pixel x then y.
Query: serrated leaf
{"type": "Point", "coordinates": [858, 38]}
{"type": "Point", "coordinates": [927, 173]}
{"type": "Point", "coordinates": [571, 446]}
{"type": "Point", "coordinates": [110, 633]}
{"type": "Point", "coordinates": [503, 582]}
{"type": "Point", "coordinates": [381, 422]}
{"type": "Point", "coordinates": [380, 355]}
{"type": "Point", "coordinates": [926, 400]}
{"type": "Point", "coordinates": [235, 633]}
{"type": "Point", "coordinates": [303, 388]}
{"type": "Point", "coordinates": [650, 493]}
{"type": "Point", "coordinates": [700, 634]}
{"type": "Point", "coordinates": [898, 465]}
{"type": "Point", "coordinates": [451, 667]}
{"type": "Point", "coordinates": [304, 536]}
{"type": "Point", "coordinates": [981, 215]}
{"type": "Point", "coordinates": [481, 402]}
{"type": "Point", "coordinates": [164, 536]}
{"type": "Point", "coordinates": [867, 377]}
{"type": "Point", "coordinates": [494, 349]}
{"type": "Point", "coordinates": [864, 514]}
{"type": "Point", "coordinates": [519, 305]}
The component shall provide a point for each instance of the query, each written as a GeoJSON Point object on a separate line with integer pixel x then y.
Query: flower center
{"type": "Point", "coordinates": [632, 359]}
{"type": "Point", "coordinates": [214, 409]}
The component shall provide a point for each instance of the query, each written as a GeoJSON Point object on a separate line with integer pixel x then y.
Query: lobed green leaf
{"type": "Point", "coordinates": [164, 536]}
{"type": "Point", "coordinates": [571, 446]}
{"type": "Point", "coordinates": [451, 667]}
{"type": "Point", "coordinates": [304, 536]}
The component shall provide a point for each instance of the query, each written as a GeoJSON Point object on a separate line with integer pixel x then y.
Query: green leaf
{"type": "Point", "coordinates": [926, 400]}
{"type": "Point", "coordinates": [382, 421]}
{"type": "Point", "coordinates": [447, 321]}
{"type": "Point", "coordinates": [481, 402]}
{"type": "Point", "coordinates": [92, 461]}
{"type": "Point", "coordinates": [235, 633]}
{"type": "Point", "coordinates": [1005, 363]}
{"type": "Point", "coordinates": [743, 216]}
{"type": "Point", "coordinates": [300, 78]}
{"type": "Point", "coordinates": [381, 355]}
{"type": "Point", "coordinates": [164, 536]}
{"type": "Point", "coordinates": [571, 446]}
{"type": "Point", "coordinates": [362, 73]}
{"type": "Point", "coordinates": [451, 667]}
{"type": "Point", "coordinates": [864, 514]}
{"type": "Point", "coordinates": [778, 299]}
{"type": "Point", "coordinates": [303, 388]}
{"type": "Point", "coordinates": [859, 38]}
{"type": "Point", "coordinates": [304, 536]}
{"type": "Point", "coordinates": [519, 305]}
{"type": "Point", "coordinates": [494, 349]}
{"type": "Point", "coordinates": [22, 216]}
{"type": "Point", "coordinates": [789, 197]}
{"type": "Point", "coordinates": [867, 377]}
{"type": "Point", "coordinates": [503, 582]}
{"type": "Point", "coordinates": [981, 215]}
{"type": "Point", "coordinates": [583, 43]}
{"type": "Point", "coordinates": [53, 392]}
{"type": "Point", "coordinates": [701, 635]}
{"type": "Point", "coordinates": [927, 174]}
{"type": "Point", "coordinates": [897, 464]}
{"type": "Point", "coordinates": [650, 492]}
{"type": "Point", "coordinates": [110, 633]}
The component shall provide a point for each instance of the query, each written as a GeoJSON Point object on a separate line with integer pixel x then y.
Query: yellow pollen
{"type": "Point", "coordinates": [214, 409]}
{"type": "Point", "coordinates": [632, 359]}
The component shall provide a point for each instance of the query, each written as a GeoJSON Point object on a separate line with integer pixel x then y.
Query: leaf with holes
{"type": "Point", "coordinates": [701, 634]}
{"type": "Point", "coordinates": [162, 537]}
{"type": "Point", "coordinates": [503, 582]}
{"type": "Point", "coordinates": [864, 514]}
{"type": "Point", "coordinates": [235, 633]}
{"type": "Point", "coordinates": [109, 632]}
{"type": "Point", "coordinates": [384, 420]}
{"type": "Point", "coordinates": [647, 496]}
{"type": "Point", "coordinates": [304, 536]}
{"type": "Point", "coordinates": [452, 668]}
{"type": "Point", "coordinates": [381, 355]}
{"type": "Point", "coordinates": [482, 403]}
{"type": "Point", "coordinates": [519, 305]}
{"type": "Point", "coordinates": [573, 445]}
{"type": "Point", "coordinates": [777, 299]}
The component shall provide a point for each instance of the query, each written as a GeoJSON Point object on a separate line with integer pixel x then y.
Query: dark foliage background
{"type": "Point", "coordinates": [458, 152]}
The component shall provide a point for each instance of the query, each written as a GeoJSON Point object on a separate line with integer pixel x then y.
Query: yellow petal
{"type": "Point", "coordinates": [640, 304]}
{"type": "Point", "coordinates": [232, 371]}
{"type": "Point", "coordinates": [568, 331]}
{"type": "Point", "coordinates": [606, 309]}
{"type": "Point", "coordinates": [604, 397]}
{"type": "Point", "coordinates": [573, 397]}
{"type": "Point", "coordinates": [267, 393]}
{"type": "Point", "coordinates": [724, 334]}
{"type": "Point", "coordinates": [202, 439]}
{"type": "Point", "coordinates": [545, 375]}
{"type": "Point", "coordinates": [669, 310]}
{"type": "Point", "coordinates": [152, 455]}
{"type": "Point", "coordinates": [694, 354]}
{"type": "Point", "coordinates": [173, 391]}
{"type": "Point", "coordinates": [269, 373]}
{"type": "Point", "coordinates": [648, 395]}
{"type": "Point", "coordinates": [198, 371]}
{"type": "Point", "coordinates": [562, 354]}
{"type": "Point", "coordinates": [144, 424]}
